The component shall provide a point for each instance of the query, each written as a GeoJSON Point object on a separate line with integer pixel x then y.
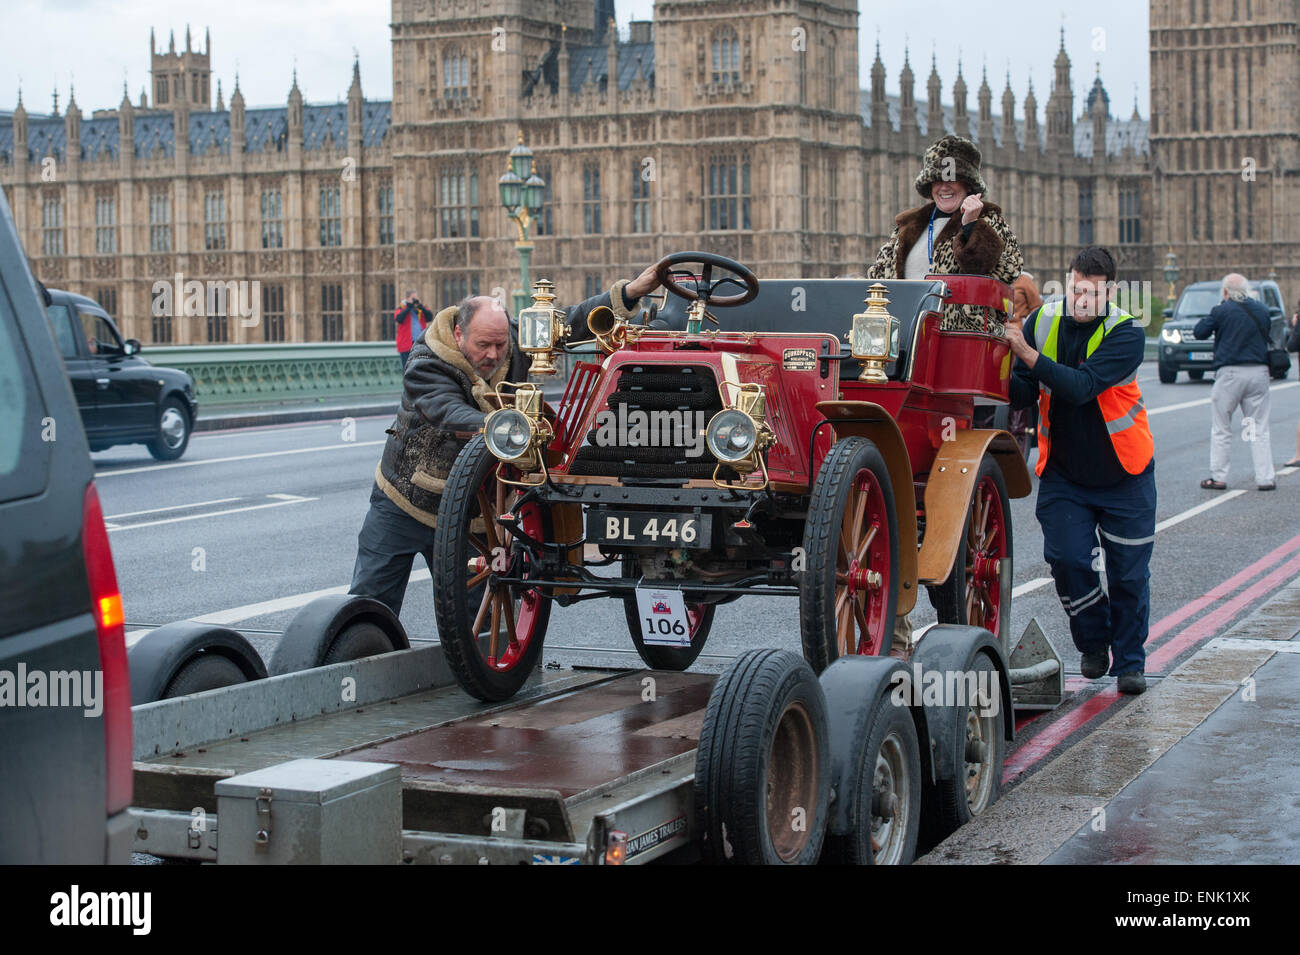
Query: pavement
{"type": "Point", "coordinates": [254, 522]}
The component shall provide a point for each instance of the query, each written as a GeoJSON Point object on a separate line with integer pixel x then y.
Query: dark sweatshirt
{"type": "Point", "coordinates": [1081, 449]}
{"type": "Point", "coordinates": [1238, 329]}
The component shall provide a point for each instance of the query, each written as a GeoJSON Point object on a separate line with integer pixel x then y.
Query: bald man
{"type": "Point", "coordinates": [1240, 325]}
{"type": "Point", "coordinates": [464, 355]}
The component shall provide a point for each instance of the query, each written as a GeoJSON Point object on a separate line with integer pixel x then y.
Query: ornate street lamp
{"type": "Point", "coordinates": [522, 193]}
{"type": "Point", "coordinates": [1171, 274]}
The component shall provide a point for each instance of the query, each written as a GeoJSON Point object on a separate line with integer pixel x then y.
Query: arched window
{"type": "Point", "coordinates": [455, 76]}
{"type": "Point", "coordinates": [726, 57]}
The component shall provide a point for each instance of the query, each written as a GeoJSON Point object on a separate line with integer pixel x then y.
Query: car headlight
{"type": "Point", "coordinates": [509, 434]}
{"type": "Point", "coordinates": [1173, 335]}
{"type": "Point", "coordinates": [731, 436]}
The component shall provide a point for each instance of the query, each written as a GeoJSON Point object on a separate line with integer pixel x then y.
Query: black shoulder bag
{"type": "Point", "coordinates": [1279, 362]}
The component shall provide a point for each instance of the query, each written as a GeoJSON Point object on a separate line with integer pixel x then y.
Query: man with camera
{"type": "Point", "coordinates": [467, 352]}
{"type": "Point", "coordinates": [411, 318]}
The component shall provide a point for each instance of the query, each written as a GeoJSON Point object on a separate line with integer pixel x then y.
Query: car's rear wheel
{"type": "Point", "coordinates": [491, 633]}
{"type": "Point", "coordinates": [699, 618]}
{"type": "Point", "coordinates": [173, 431]}
{"type": "Point", "coordinates": [848, 592]}
{"type": "Point", "coordinates": [972, 594]}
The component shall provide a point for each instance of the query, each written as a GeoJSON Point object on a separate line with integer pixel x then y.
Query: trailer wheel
{"type": "Point", "coordinates": [492, 637]}
{"type": "Point", "coordinates": [848, 592]}
{"type": "Point", "coordinates": [978, 752]}
{"type": "Point", "coordinates": [698, 615]}
{"type": "Point", "coordinates": [206, 672]}
{"type": "Point", "coordinates": [362, 639]}
{"type": "Point", "coordinates": [972, 594]}
{"type": "Point", "coordinates": [762, 771]}
{"type": "Point", "coordinates": [876, 765]}
{"type": "Point", "coordinates": [336, 628]}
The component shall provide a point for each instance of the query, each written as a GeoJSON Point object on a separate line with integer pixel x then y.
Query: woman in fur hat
{"type": "Point", "coordinates": [955, 231]}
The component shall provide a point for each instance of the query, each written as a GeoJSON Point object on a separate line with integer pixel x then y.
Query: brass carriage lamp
{"type": "Point", "coordinates": [541, 327]}
{"type": "Point", "coordinates": [515, 435]}
{"type": "Point", "coordinates": [873, 339]}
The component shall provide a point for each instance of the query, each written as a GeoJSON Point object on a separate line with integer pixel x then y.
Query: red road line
{"type": "Point", "coordinates": [1043, 743]}
{"type": "Point", "coordinates": [1211, 622]}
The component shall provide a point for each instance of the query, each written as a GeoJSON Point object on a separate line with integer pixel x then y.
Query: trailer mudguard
{"type": "Point", "coordinates": [313, 628]}
{"type": "Point", "coordinates": [949, 488]}
{"type": "Point", "coordinates": [853, 687]}
{"type": "Point", "coordinates": [159, 655]}
{"type": "Point", "coordinates": [953, 648]}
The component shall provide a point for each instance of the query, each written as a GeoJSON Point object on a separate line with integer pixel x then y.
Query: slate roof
{"type": "Point", "coordinates": [593, 62]}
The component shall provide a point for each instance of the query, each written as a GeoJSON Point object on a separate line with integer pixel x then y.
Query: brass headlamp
{"type": "Point", "coordinates": [873, 339]}
{"type": "Point", "coordinates": [737, 436]}
{"type": "Point", "coordinates": [542, 327]}
{"type": "Point", "coordinates": [516, 435]}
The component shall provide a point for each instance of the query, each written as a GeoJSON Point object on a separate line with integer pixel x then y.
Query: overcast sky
{"type": "Point", "coordinates": [96, 44]}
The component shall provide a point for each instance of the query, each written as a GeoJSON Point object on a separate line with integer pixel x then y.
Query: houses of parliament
{"type": "Point", "coordinates": [736, 126]}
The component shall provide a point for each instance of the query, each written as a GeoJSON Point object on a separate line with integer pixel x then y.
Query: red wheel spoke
{"type": "Point", "coordinates": [489, 520]}
{"type": "Point", "coordinates": [496, 623]}
{"type": "Point", "coordinates": [866, 543]}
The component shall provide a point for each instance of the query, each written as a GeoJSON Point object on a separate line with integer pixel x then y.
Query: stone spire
{"type": "Point", "coordinates": [960, 118]}
{"type": "Point", "coordinates": [355, 104]}
{"type": "Point", "coordinates": [1008, 115]}
{"type": "Point", "coordinates": [1099, 113]}
{"type": "Point", "coordinates": [295, 119]}
{"type": "Point", "coordinates": [906, 101]}
{"type": "Point", "coordinates": [1060, 105]}
{"type": "Point", "coordinates": [221, 101]}
{"type": "Point", "coordinates": [986, 114]}
{"type": "Point", "coordinates": [934, 88]}
{"type": "Point", "coordinates": [126, 128]}
{"type": "Point", "coordinates": [1031, 119]}
{"type": "Point", "coordinates": [879, 105]}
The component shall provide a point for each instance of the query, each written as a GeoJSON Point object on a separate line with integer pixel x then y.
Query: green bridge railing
{"type": "Point", "coordinates": [242, 374]}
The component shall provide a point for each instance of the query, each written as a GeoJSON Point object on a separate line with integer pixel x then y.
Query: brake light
{"type": "Point", "coordinates": [616, 848]}
{"type": "Point", "coordinates": [109, 625]}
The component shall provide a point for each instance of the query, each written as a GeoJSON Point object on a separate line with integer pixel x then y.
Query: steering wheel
{"type": "Point", "coordinates": [705, 284]}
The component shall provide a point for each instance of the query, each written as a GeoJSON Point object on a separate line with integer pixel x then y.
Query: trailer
{"type": "Point", "coordinates": [385, 759]}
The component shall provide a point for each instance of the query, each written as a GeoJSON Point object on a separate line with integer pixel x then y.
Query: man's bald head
{"type": "Point", "coordinates": [482, 333]}
{"type": "Point", "coordinates": [1235, 287]}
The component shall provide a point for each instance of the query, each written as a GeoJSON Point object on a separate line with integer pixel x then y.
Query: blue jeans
{"type": "Point", "coordinates": [1112, 528]}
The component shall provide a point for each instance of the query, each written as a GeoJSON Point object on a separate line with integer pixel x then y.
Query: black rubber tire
{"type": "Point", "coordinates": [361, 639]}
{"type": "Point", "coordinates": [458, 507]}
{"type": "Point", "coordinates": [763, 701]}
{"type": "Point", "coordinates": [1167, 375]}
{"type": "Point", "coordinates": [205, 672]}
{"type": "Point", "coordinates": [159, 447]}
{"type": "Point", "coordinates": [949, 597]}
{"type": "Point", "coordinates": [663, 658]}
{"type": "Point", "coordinates": [817, 624]}
{"type": "Point", "coordinates": [888, 721]}
{"type": "Point", "coordinates": [946, 807]}
{"type": "Point", "coordinates": [1196, 374]}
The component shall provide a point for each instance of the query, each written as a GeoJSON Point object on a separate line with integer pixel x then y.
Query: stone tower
{"type": "Point", "coordinates": [181, 80]}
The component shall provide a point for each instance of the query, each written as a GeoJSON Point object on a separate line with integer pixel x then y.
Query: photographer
{"type": "Point", "coordinates": [408, 313]}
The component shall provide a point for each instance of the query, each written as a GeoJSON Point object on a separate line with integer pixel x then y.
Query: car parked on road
{"type": "Point", "coordinates": [65, 706]}
{"type": "Point", "coordinates": [1179, 351]}
{"type": "Point", "coordinates": [123, 399]}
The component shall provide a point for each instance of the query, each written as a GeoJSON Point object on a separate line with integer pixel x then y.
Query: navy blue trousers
{"type": "Point", "coordinates": [1087, 530]}
{"type": "Point", "coordinates": [386, 548]}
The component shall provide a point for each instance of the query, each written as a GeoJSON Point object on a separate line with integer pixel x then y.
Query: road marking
{"type": "Point", "coordinates": [1198, 509]}
{"type": "Point", "coordinates": [1205, 401]}
{"type": "Point", "coordinates": [1241, 643]}
{"type": "Point", "coordinates": [292, 602]}
{"type": "Point", "coordinates": [174, 507]}
{"type": "Point", "coordinates": [196, 517]}
{"type": "Point", "coordinates": [1030, 585]}
{"type": "Point", "coordinates": [237, 457]}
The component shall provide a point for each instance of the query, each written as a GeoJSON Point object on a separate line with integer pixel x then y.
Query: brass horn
{"type": "Point", "coordinates": [609, 330]}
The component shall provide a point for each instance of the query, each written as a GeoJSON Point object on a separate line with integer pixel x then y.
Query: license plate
{"type": "Point", "coordinates": [1201, 356]}
{"type": "Point", "coordinates": [648, 529]}
{"type": "Point", "coordinates": [663, 617]}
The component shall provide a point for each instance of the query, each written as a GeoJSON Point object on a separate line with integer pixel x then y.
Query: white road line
{"type": "Point", "coordinates": [1198, 509]}
{"type": "Point", "coordinates": [174, 507]}
{"type": "Point", "coordinates": [1030, 585]}
{"type": "Point", "coordinates": [196, 517]}
{"type": "Point", "coordinates": [237, 457]}
{"type": "Point", "coordinates": [293, 602]}
{"type": "Point", "coordinates": [1205, 401]}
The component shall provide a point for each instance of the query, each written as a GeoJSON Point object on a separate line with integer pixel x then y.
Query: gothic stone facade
{"type": "Point", "coordinates": [731, 125]}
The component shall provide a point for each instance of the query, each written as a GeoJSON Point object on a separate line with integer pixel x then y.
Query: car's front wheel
{"type": "Point", "coordinates": [173, 431]}
{"type": "Point", "coordinates": [1167, 375]}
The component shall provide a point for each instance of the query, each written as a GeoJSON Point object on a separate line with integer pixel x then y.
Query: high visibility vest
{"type": "Point", "coordinates": [1121, 405]}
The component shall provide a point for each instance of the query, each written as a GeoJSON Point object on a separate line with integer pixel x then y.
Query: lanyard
{"type": "Point", "coordinates": [930, 245]}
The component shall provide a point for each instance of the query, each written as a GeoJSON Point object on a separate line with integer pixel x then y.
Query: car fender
{"type": "Point", "coordinates": [949, 488]}
{"type": "Point", "coordinates": [313, 628]}
{"type": "Point", "coordinates": [853, 687]}
{"type": "Point", "coordinates": [159, 655]}
{"type": "Point", "coordinates": [948, 648]}
{"type": "Point", "coordinates": [869, 420]}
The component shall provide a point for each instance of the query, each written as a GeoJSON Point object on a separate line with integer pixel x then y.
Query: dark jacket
{"type": "Point", "coordinates": [1082, 451]}
{"type": "Point", "coordinates": [444, 402]}
{"type": "Point", "coordinates": [1239, 330]}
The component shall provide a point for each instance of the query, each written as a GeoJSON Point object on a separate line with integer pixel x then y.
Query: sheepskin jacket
{"type": "Point", "coordinates": [445, 401]}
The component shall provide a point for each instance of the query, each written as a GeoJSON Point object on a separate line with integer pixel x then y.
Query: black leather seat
{"type": "Point", "coordinates": [828, 305]}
